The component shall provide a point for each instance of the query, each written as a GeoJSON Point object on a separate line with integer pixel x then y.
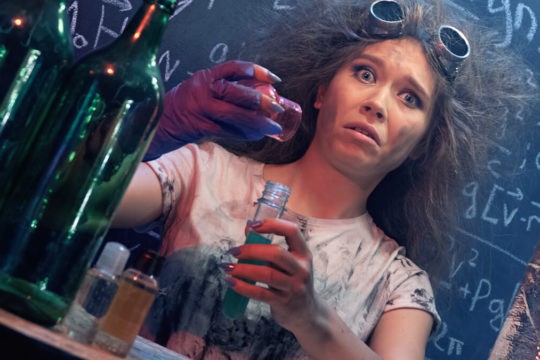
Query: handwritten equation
{"type": "Point", "coordinates": [109, 27]}
{"type": "Point", "coordinates": [517, 18]}
{"type": "Point", "coordinates": [507, 202]}
{"type": "Point", "coordinates": [475, 295]}
{"type": "Point", "coordinates": [517, 21]}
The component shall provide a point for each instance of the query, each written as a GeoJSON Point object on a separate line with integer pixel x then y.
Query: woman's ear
{"type": "Point", "coordinates": [321, 90]}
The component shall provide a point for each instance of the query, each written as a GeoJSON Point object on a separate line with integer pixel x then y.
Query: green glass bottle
{"type": "Point", "coordinates": [35, 52]}
{"type": "Point", "coordinates": [94, 136]}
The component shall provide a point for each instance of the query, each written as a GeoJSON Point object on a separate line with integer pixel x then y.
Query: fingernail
{"type": "Point", "coordinates": [234, 251]}
{"type": "Point", "coordinates": [273, 77]}
{"type": "Point", "coordinates": [275, 108]}
{"type": "Point", "coordinates": [230, 281]}
{"type": "Point", "coordinates": [227, 267]}
{"type": "Point", "coordinates": [272, 128]}
{"type": "Point", "coordinates": [254, 224]}
{"type": "Point", "coordinates": [269, 105]}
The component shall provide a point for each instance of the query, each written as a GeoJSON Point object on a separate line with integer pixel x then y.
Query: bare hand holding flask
{"type": "Point", "coordinates": [270, 205]}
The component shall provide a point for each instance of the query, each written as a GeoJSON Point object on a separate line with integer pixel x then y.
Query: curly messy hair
{"type": "Point", "coordinates": [415, 204]}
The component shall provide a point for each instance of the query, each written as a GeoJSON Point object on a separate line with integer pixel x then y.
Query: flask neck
{"type": "Point", "coordinates": [273, 201]}
{"type": "Point", "coordinates": [275, 194]}
{"type": "Point", "coordinates": [146, 28]}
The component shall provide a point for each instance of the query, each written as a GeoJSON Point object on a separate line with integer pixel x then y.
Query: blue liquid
{"type": "Point", "coordinates": [234, 305]}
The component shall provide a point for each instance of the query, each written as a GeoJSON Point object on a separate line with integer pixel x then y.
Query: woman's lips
{"type": "Point", "coordinates": [366, 130]}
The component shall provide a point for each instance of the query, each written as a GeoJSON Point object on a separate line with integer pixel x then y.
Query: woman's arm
{"type": "Point", "coordinates": [142, 201]}
{"type": "Point", "coordinates": [400, 334]}
{"type": "Point", "coordinates": [328, 337]}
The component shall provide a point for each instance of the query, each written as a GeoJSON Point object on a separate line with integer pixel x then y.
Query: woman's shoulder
{"type": "Point", "coordinates": [215, 151]}
{"type": "Point", "coordinates": [410, 287]}
{"type": "Point", "coordinates": [207, 155]}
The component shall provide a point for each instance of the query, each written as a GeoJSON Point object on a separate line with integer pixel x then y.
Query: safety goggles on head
{"type": "Point", "coordinates": [450, 45]}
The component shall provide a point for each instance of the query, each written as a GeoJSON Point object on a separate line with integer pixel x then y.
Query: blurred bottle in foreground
{"type": "Point", "coordinates": [95, 294]}
{"type": "Point", "coordinates": [56, 215]}
{"type": "Point", "coordinates": [137, 289]}
{"type": "Point", "coordinates": [270, 205]}
{"type": "Point", "coordinates": [35, 52]}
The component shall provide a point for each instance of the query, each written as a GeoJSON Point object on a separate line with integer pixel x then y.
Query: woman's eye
{"type": "Point", "coordinates": [412, 100]}
{"type": "Point", "coordinates": [364, 74]}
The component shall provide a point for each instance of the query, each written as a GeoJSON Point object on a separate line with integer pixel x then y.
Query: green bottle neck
{"type": "Point", "coordinates": [146, 28]}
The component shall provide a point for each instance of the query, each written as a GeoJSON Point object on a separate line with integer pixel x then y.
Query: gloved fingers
{"type": "Point", "coordinates": [228, 131]}
{"type": "Point", "coordinates": [235, 93]}
{"type": "Point", "coordinates": [270, 107]}
{"type": "Point", "coordinates": [245, 96]}
{"type": "Point", "coordinates": [238, 70]}
{"type": "Point", "coordinates": [259, 124]}
{"type": "Point", "coordinates": [265, 75]}
{"type": "Point", "coordinates": [252, 124]}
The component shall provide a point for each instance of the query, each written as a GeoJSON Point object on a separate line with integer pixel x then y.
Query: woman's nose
{"type": "Point", "coordinates": [375, 111]}
{"type": "Point", "coordinates": [374, 107]}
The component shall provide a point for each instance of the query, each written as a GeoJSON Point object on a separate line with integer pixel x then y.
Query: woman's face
{"type": "Point", "coordinates": [376, 109]}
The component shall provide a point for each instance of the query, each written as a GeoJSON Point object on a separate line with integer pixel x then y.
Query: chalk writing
{"type": "Point", "coordinates": [181, 6]}
{"type": "Point", "coordinates": [123, 5]}
{"type": "Point", "coordinates": [104, 29]}
{"type": "Point", "coordinates": [219, 52]}
{"type": "Point", "coordinates": [282, 5]}
{"type": "Point", "coordinates": [449, 345]}
{"type": "Point", "coordinates": [514, 20]}
{"type": "Point", "coordinates": [493, 246]}
{"type": "Point", "coordinates": [79, 41]}
{"type": "Point", "coordinates": [165, 60]}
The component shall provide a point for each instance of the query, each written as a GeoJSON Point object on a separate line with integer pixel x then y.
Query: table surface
{"type": "Point", "coordinates": [25, 334]}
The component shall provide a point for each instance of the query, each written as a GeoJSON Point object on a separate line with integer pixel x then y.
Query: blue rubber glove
{"type": "Point", "coordinates": [212, 104]}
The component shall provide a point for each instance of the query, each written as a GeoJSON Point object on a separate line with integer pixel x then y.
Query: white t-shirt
{"type": "Point", "coordinates": [209, 194]}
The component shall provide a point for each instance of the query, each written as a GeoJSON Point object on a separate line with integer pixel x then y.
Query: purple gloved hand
{"type": "Point", "coordinates": [212, 104]}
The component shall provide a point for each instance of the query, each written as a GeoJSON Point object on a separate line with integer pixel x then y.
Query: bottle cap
{"type": "Point", "coordinates": [113, 258]}
{"type": "Point", "coordinates": [276, 193]}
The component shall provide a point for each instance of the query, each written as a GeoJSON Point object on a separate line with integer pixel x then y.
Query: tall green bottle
{"type": "Point", "coordinates": [35, 52]}
{"type": "Point", "coordinates": [92, 140]}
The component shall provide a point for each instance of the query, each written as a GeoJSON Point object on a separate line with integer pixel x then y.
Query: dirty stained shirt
{"type": "Point", "coordinates": [209, 194]}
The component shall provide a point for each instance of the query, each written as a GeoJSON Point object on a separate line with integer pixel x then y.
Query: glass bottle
{"type": "Point", "coordinates": [137, 289]}
{"type": "Point", "coordinates": [93, 139]}
{"type": "Point", "coordinates": [95, 294]}
{"type": "Point", "coordinates": [35, 52]}
{"type": "Point", "coordinates": [289, 119]}
{"type": "Point", "coordinates": [270, 205]}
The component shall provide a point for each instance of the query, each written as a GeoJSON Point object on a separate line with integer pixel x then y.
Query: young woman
{"type": "Point", "coordinates": [395, 115]}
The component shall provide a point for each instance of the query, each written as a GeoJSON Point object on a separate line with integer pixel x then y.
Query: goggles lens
{"type": "Point", "coordinates": [454, 41]}
{"type": "Point", "coordinates": [451, 47]}
{"type": "Point", "coordinates": [388, 11]}
{"type": "Point", "coordinates": [386, 18]}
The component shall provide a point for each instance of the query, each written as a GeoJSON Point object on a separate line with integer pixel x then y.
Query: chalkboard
{"type": "Point", "coordinates": [500, 223]}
